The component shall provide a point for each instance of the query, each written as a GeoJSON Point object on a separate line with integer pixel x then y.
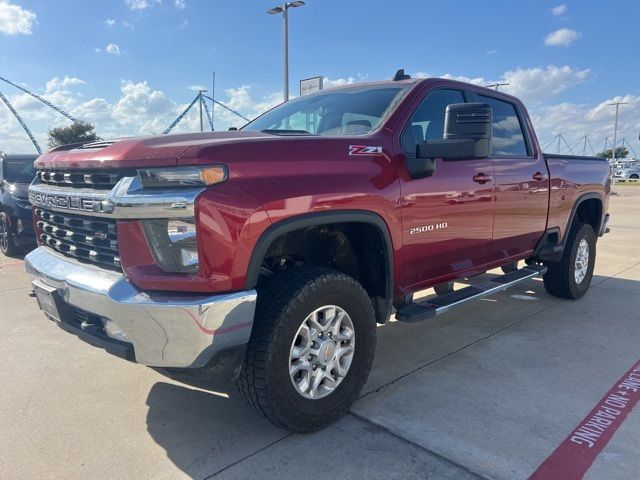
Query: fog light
{"type": "Point", "coordinates": [113, 330]}
{"type": "Point", "coordinates": [20, 227]}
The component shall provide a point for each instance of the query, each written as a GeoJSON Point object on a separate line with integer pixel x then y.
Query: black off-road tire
{"type": "Point", "coordinates": [7, 245]}
{"type": "Point", "coordinates": [559, 280]}
{"type": "Point", "coordinates": [284, 301]}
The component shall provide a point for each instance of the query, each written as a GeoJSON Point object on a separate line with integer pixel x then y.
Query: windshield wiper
{"type": "Point", "coordinates": [278, 131]}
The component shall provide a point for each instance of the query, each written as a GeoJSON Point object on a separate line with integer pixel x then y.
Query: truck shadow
{"type": "Point", "coordinates": [203, 432]}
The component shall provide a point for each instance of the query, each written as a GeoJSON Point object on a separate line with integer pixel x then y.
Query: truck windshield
{"type": "Point", "coordinates": [352, 111]}
{"type": "Point", "coordinates": [18, 170]}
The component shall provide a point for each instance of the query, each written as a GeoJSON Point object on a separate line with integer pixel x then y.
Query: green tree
{"type": "Point", "coordinates": [621, 152]}
{"type": "Point", "coordinates": [75, 133]}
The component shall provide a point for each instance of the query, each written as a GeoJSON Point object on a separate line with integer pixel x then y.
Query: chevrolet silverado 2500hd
{"type": "Point", "coordinates": [271, 252]}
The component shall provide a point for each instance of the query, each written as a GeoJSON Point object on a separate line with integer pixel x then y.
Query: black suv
{"type": "Point", "coordinates": [16, 223]}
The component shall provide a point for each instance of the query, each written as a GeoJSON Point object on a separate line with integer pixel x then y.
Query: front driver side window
{"type": "Point", "coordinates": [427, 122]}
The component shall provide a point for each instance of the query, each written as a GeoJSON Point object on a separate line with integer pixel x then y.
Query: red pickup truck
{"type": "Point", "coordinates": [269, 254]}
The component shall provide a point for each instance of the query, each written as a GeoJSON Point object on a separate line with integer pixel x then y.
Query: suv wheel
{"type": "Point", "coordinates": [6, 240]}
{"type": "Point", "coordinates": [311, 349]}
{"type": "Point", "coordinates": [571, 276]}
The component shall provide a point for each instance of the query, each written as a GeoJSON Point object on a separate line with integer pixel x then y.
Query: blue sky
{"type": "Point", "coordinates": [127, 65]}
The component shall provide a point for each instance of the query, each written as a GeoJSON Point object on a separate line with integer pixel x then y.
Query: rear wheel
{"type": "Point", "coordinates": [571, 276]}
{"type": "Point", "coordinates": [311, 349]}
{"type": "Point", "coordinates": [7, 246]}
{"type": "Point", "coordinates": [634, 176]}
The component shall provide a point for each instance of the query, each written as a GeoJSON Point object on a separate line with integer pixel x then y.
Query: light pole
{"type": "Point", "coordinates": [615, 130]}
{"type": "Point", "coordinates": [284, 9]}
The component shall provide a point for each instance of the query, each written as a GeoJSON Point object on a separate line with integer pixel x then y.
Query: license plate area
{"type": "Point", "coordinates": [48, 300]}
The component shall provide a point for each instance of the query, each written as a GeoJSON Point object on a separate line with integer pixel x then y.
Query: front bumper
{"type": "Point", "coordinates": [165, 329]}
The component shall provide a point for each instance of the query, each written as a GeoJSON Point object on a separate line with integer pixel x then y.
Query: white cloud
{"type": "Point", "coordinates": [338, 82]}
{"type": "Point", "coordinates": [140, 4]}
{"type": "Point", "coordinates": [14, 20]}
{"type": "Point", "coordinates": [575, 120]}
{"type": "Point", "coordinates": [109, 22]}
{"type": "Point", "coordinates": [492, 52]}
{"type": "Point", "coordinates": [128, 25]}
{"type": "Point", "coordinates": [56, 84]}
{"type": "Point", "coordinates": [144, 4]}
{"type": "Point", "coordinates": [139, 109]}
{"type": "Point", "coordinates": [534, 84]}
{"type": "Point", "coordinates": [542, 83]}
{"type": "Point", "coordinates": [561, 38]}
{"type": "Point", "coordinates": [559, 10]}
{"type": "Point", "coordinates": [112, 49]}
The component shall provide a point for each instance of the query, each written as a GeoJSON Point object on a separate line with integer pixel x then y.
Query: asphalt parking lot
{"type": "Point", "coordinates": [490, 390]}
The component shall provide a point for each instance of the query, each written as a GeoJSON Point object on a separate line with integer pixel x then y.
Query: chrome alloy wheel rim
{"type": "Point", "coordinates": [321, 352]}
{"type": "Point", "coordinates": [582, 261]}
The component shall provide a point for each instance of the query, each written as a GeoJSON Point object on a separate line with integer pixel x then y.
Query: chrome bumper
{"type": "Point", "coordinates": [166, 330]}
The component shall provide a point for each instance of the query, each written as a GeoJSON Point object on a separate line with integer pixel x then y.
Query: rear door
{"type": "Point", "coordinates": [447, 217]}
{"type": "Point", "coordinates": [521, 183]}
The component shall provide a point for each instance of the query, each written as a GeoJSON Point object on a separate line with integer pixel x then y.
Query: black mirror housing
{"type": "Point", "coordinates": [467, 134]}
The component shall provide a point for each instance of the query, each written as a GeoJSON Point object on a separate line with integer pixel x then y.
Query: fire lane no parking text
{"type": "Point", "coordinates": [574, 456]}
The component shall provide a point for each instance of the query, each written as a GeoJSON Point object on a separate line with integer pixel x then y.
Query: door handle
{"type": "Point", "coordinates": [538, 177]}
{"type": "Point", "coordinates": [481, 178]}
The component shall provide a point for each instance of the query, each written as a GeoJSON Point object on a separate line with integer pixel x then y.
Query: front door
{"type": "Point", "coordinates": [446, 218]}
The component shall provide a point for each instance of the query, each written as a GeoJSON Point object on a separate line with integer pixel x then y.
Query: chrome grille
{"type": "Point", "coordinates": [75, 179]}
{"type": "Point", "coordinates": [90, 239]}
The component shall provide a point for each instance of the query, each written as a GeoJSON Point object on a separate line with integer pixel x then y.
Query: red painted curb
{"type": "Point", "coordinates": [574, 456]}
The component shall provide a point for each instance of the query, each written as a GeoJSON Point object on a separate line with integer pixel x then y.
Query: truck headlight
{"type": "Point", "coordinates": [202, 176]}
{"type": "Point", "coordinates": [173, 244]}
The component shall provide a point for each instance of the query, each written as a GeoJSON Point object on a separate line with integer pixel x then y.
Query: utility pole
{"type": "Point", "coordinates": [200, 92]}
{"type": "Point", "coordinates": [615, 129]}
{"type": "Point", "coordinates": [497, 85]}
{"type": "Point", "coordinates": [284, 9]}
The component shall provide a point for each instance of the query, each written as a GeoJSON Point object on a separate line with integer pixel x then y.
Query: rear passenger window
{"type": "Point", "coordinates": [507, 134]}
{"type": "Point", "coordinates": [427, 122]}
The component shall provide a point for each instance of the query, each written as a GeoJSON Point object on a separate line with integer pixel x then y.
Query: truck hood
{"type": "Point", "coordinates": [152, 151]}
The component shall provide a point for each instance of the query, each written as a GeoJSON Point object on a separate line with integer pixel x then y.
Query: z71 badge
{"type": "Point", "coordinates": [364, 150]}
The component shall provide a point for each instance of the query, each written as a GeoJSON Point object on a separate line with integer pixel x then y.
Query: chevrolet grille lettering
{"type": "Point", "coordinates": [69, 202]}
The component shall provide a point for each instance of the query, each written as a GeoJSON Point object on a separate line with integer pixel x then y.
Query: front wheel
{"type": "Point", "coordinates": [311, 349]}
{"type": "Point", "coordinates": [571, 276]}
